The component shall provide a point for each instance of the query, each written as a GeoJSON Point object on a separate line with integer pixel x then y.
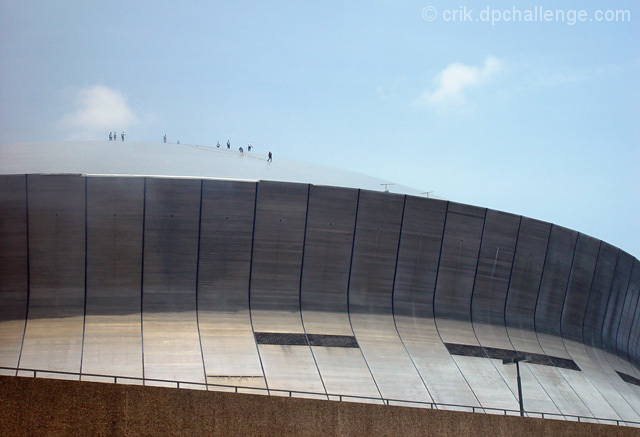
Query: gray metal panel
{"type": "Point", "coordinates": [420, 241]}
{"type": "Point", "coordinates": [57, 269]}
{"type": "Point", "coordinates": [599, 295]}
{"type": "Point", "coordinates": [525, 283]}
{"type": "Point", "coordinates": [290, 368]}
{"type": "Point", "coordinates": [457, 271]}
{"type": "Point", "coordinates": [627, 318]}
{"type": "Point", "coordinates": [113, 330]}
{"type": "Point", "coordinates": [170, 329]}
{"type": "Point", "coordinates": [374, 257]}
{"type": "Point", "coordinates": [325, 279]}
{"type": "Point", "coordinates": [526, 276]}
{"type": "Point", "coordinates": [634, 334]}
{"type": "Point", "coordinates": [567, 256]}
{"type": "Point", "coordinates": [281, 212]}
{"type": "Point", "coordinates": [344, 371]}
{"type": "Point", "coordinates": [487, 382]}
{"type": "Point", "coordinates": [610, 404]}
{"type": "Point", "coordinates": [553, 289]}
{"type": "Point", "coordinates": [534, 395]}
{"type": "Point", "coordinates": [327, 256]}
{"type": "Point", "coordinates": [489, 300]}
{"type": "Point", "coordinates": [13, 267]}
{"type": "Point", "coordinates": [587, 384]}
{"type": "Point", "coordinates": [277, 257]}
{"type": "Point", "coordinates": [615, 307]}
{"type": "Point", "coordinates": [454, 292]}
{"type": "Point", "coordinates": [228, 344]}
{"type": "Point", "coordinates": [607, 408]}
{"type": "Point", "coordinates": [492, 279]}
{"type": "Point", "coordinates": [584, 265]}
{"type": "Point", "coordinates": [625, 402]}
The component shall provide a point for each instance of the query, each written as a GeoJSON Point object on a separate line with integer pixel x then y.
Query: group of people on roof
{"type": "Point", "coordinates": [113, 136]}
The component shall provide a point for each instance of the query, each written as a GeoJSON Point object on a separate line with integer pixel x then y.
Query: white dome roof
{"type": "Point", "coordinates": [179, 160]}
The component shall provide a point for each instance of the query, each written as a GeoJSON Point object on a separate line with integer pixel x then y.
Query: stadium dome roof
{"type": "Point", "coordinates": [175, 160]}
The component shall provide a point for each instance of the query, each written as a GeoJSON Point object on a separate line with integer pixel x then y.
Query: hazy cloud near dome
{"type": "Point", "coordinates": [455, 79]}
{"type": "Point", "coordinates": [98, 110]}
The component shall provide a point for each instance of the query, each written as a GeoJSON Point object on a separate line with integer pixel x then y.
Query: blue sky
{"type": "Point", "coordinates": [535, 118]}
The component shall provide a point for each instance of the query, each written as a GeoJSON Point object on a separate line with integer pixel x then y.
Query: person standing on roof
{"type": "Point", "coordinates": [249, 147]}
{"type": "Point", "coordinates": [122, 136]}
{"type": "Point", "coordinates": [228, 144]}
{"type": "Point", "coordinates": [110, 136]}
{"type": "Point", "coordinates": [218, 145]}
{"type": "Point", "coordinates": [164, 138]}
{"type": "Point", "coordinates": [241, 150]}
{"type": "Point", "coordinates": [269, 157]}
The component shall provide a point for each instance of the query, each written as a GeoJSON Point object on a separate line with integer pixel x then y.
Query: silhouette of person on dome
{"type": "Point", "coordinates": [269, 157]}
{"type": "Point", "coordinates": [228, 144]}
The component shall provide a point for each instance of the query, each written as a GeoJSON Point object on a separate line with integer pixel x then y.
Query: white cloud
{"type": "Point", "coordinates": [99, 110]}
{"type": "Point", "coordinates": [452, 82]}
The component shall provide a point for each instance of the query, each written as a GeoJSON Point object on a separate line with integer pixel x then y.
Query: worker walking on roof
{"type": "Point", "coordinates": [164, 138]}
{"type": "Point", "coordinates": [122, 136]}
{"type": "Point", "coordinates": [270, 157]}
{"type": "Point", "coordinates": [228, 144]}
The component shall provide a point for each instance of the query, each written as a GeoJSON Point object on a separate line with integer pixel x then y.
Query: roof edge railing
{"type": "Point", "coordinates": [328, 396]}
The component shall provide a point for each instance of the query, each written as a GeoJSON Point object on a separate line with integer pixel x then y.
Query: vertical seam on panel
{"type": "Point", "coordinates": [435, 290]}
{"type": "Point", "coordinates": [566, 291]}
{"type": "Point", "coordinates": [535, 308]}
{"type": "Point", "coordinates": [26, 314]}
{"type": "Point", "coordinates": [506, 298]}
{"type": "Point", "coordinates": [473, 285]}
{"type": "Point", "coordinates": [626, 293]}
{"type": "Point", "coordinates": [86, 249]}
{"type": "Point", "coordinates": [629, 347]}
{"type": "Point", "coordinates": [593, 279]}
{"type": "Point", "coordinates": [393, 296]}
{"type": "Point", "coordinates": [435, 285]}
{"type": "Point", "coordinates": [582, 333]}
{"type": "Point", "coordinates": [601, 346]}
{"type": "Point", "coordinates": [304, 244]}
{"type": "Point", "coordinates": [253, 234]}
{"type": "Point", "coordinates": [625, 350]}
{"type": "Point", "coordinates": [204, 368]}
{"type": "Point", "coordinates": [353, 245]}
{"type": "Point", "coordinates": [603, 349]}
{"type": "Point", "coordinates": [473, 292]}
{"type": "Point", "coordinates": [144, 224]}
{"type": "Point", "coordinates": [515, 251]}
{"type": "Point", "coordinates": [632, 353]}
{"type": "Point", "coordinates": [604, 317]}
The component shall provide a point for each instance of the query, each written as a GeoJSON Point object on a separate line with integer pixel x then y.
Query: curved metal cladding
{"type": "Point", "coordinates": [316, 289]}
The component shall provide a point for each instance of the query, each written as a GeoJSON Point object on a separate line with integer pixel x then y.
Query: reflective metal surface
{"type": "Point", "coordinates": [335, 292]}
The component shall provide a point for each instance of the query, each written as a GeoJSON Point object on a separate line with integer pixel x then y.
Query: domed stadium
{"type": "Point", "coordinates": [196, 267]}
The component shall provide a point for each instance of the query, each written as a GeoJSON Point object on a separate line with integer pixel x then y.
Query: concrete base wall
{"type": "Point", "coordinates": [30, 406]}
